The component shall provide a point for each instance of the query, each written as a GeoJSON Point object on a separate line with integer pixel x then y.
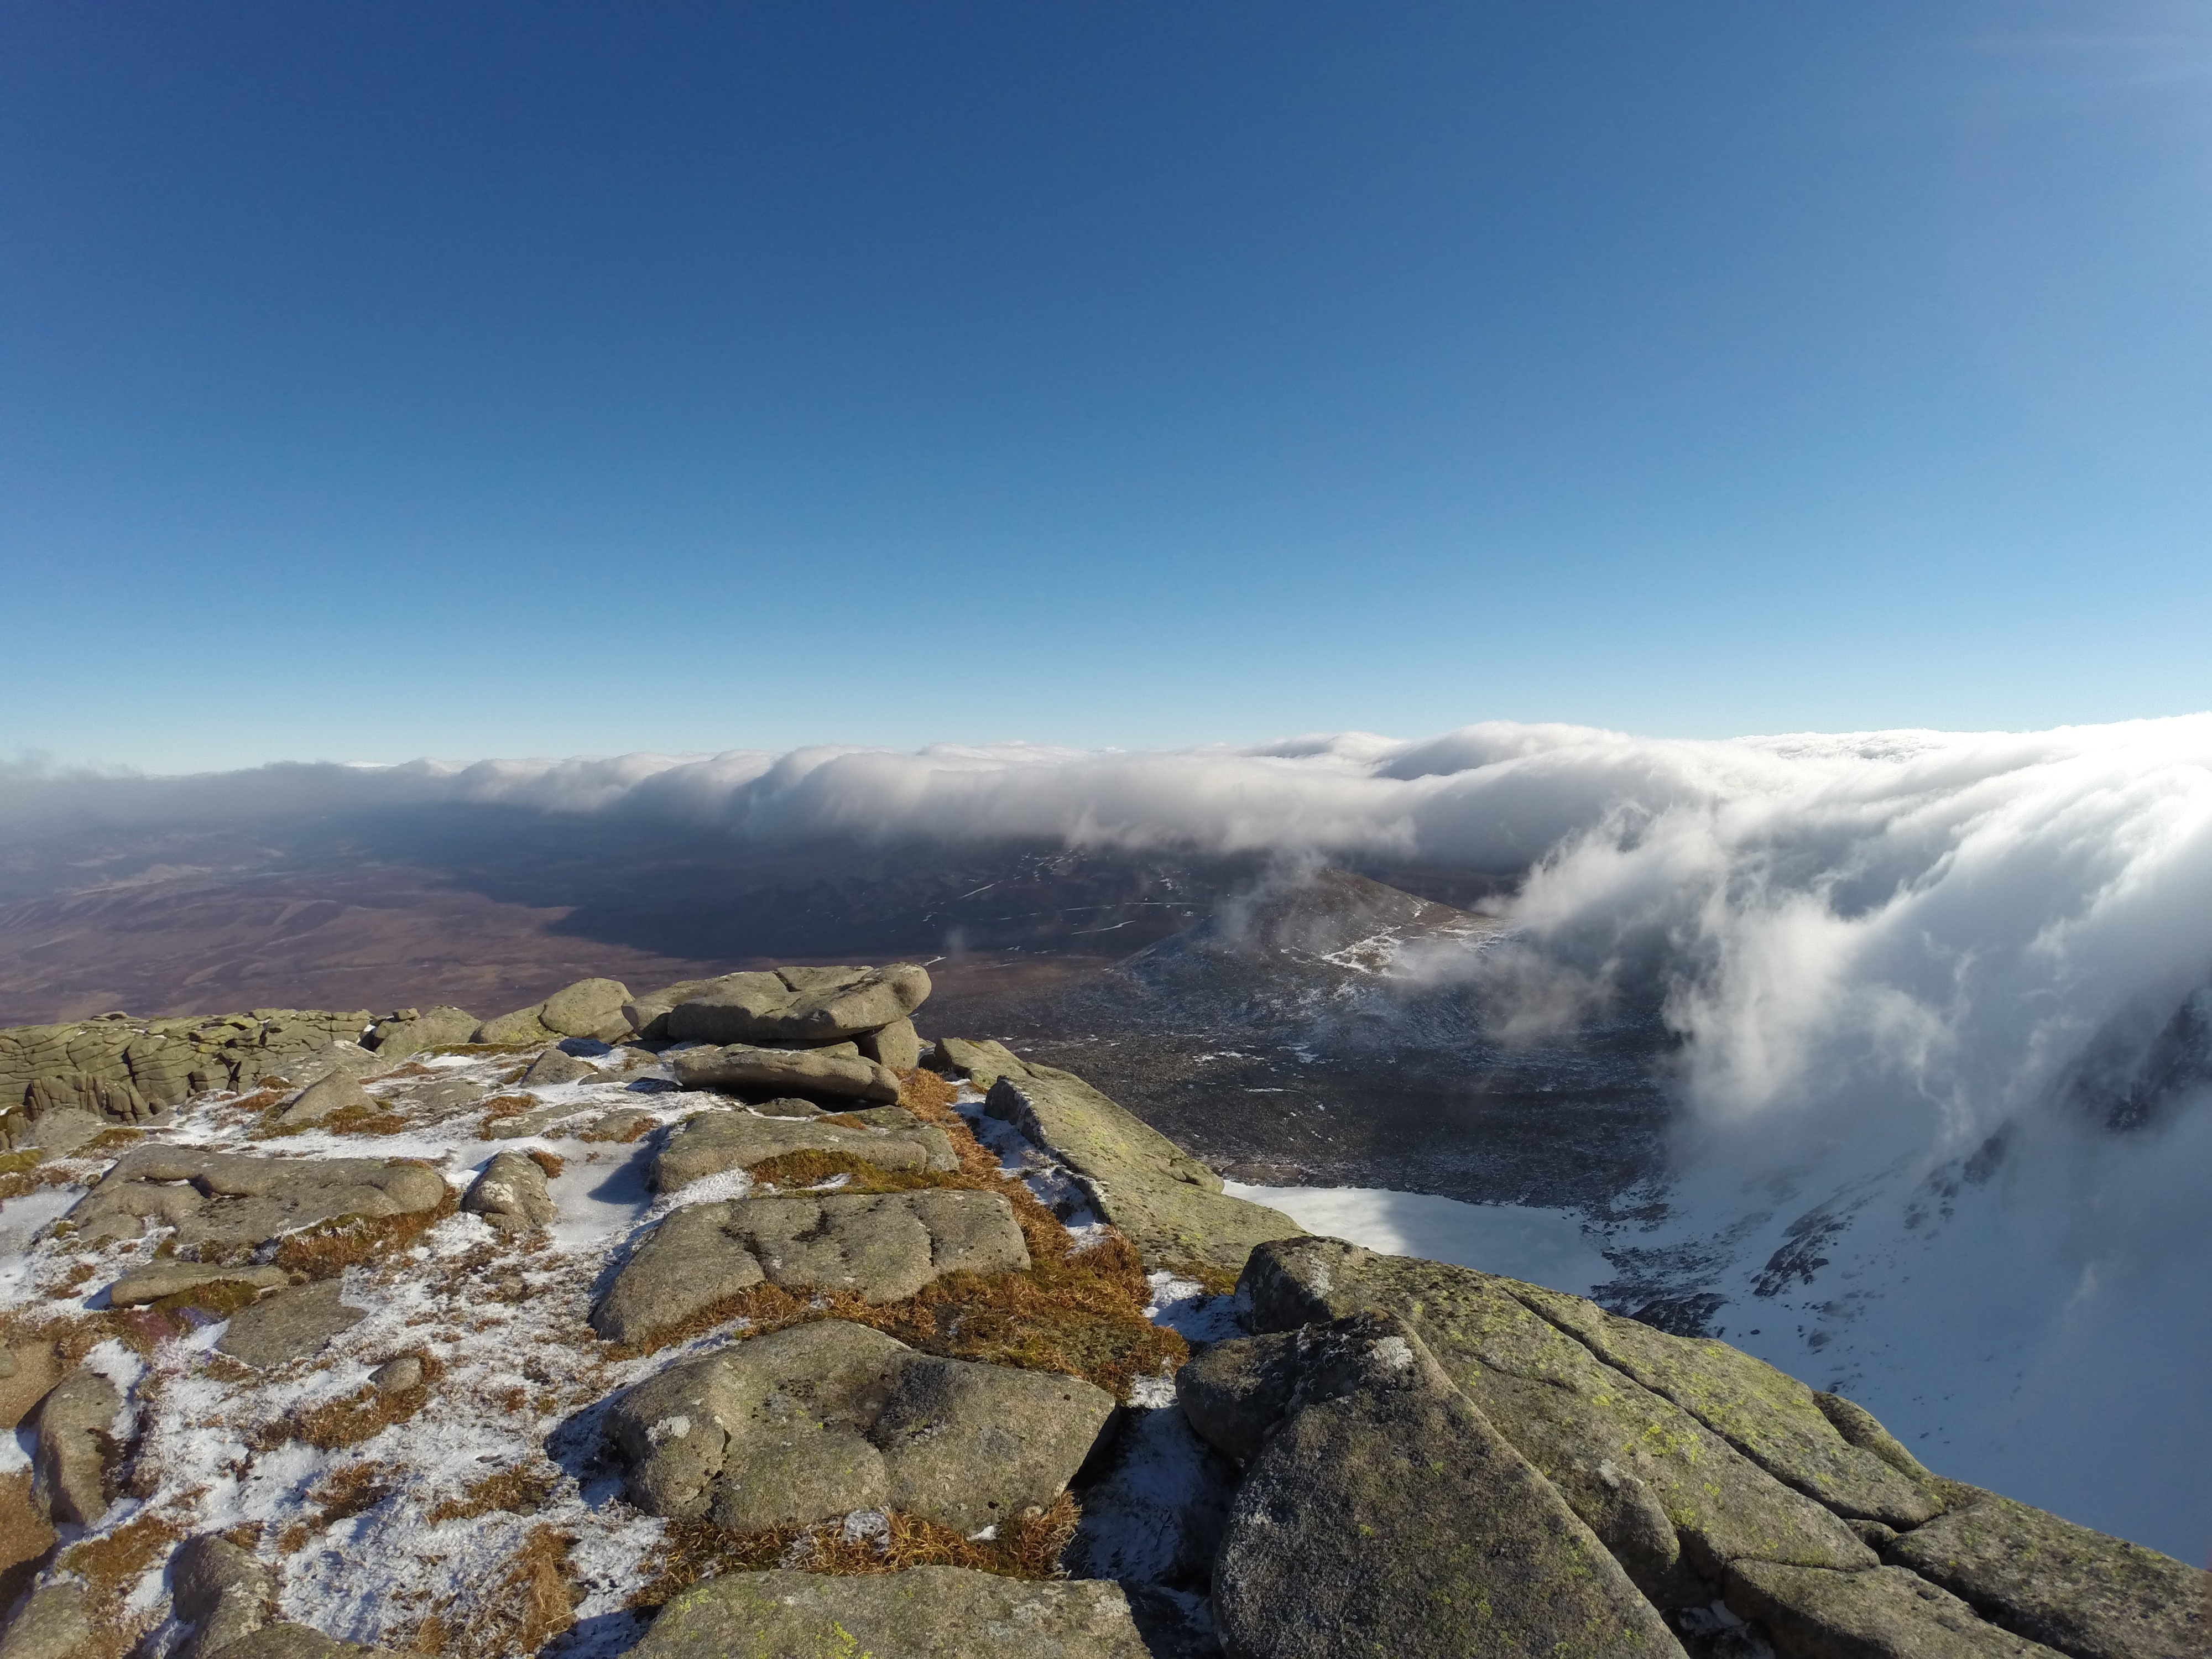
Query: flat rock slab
{"type": "Point", "coordinates": [1169, 1205]}
{"type": "Point", "coordinates": [824, 1418]}
{"type": "Point", "coordinates": [288, 1325]}
{"type": "Point", "coordinates": [1766, 1414]}
{"type": "Point", "coordinates": [1383, 1513]}
{"type": "Point", "coordinates": [2064, 1585]}
{"type": "Point", "coordinates": [436, 1098]}
{"type": "Point", "coordinates": [923, 1614]}
{"type": "Point", "coordinates": [1884, 1613]}
{"type": "Point", "coordinates": [230, 1199]}
{"type": "Point", "coordinates": [715, 1142]}
{"type": "Point", "coordinates": [1669, 1498]}
{"type": "Point", "coordinates": [881, 1247]}
{"type": "Point", "coordinates": [799, 1005]}
{"type": "Point", "coordinates": [785, 1071]}
{"type": "Point", "coordinates": [164, 1278]}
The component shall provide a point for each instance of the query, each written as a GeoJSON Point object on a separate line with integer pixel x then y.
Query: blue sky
{"type": "Point", "coordinates": [383, 380]}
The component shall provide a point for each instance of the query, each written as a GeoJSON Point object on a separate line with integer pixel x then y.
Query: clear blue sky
{"type": "Point", "coordinates": [399, 378]}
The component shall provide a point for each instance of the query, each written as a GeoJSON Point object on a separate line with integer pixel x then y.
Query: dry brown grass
{"type": "Point", "coordinates": [621, 1136]}
{"type": "Point", "coordinates": [812, 1166]}
{"type": "Point", "coordinates": [354, 1489]}
{"type": "Point", "coordinates": [111, 1565]}
{"type": "Point", "coordinates": [361, 1120]}
{"type": "Point", "coordinates": [534, 1601]}
{"type": "Point", "coordinates": [15, 1184]}
{"type": "Point", "coordinates": [520, 1490]}
{"type": "Point", "coordinates": [327, 1250]}
{"type": "Point", "coordinates": [1078, 1312]}
{"type": "Point", "coordinates": [412, 1068]}
{"type": "Point", "coordinates": [692, 1551]}
{"type": "Point", "coordinates": [551, 1163]}
{"type": "Point", "coordinates": [348, 1421]}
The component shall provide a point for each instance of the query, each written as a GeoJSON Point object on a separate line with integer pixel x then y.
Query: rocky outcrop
{"type": "Point", "coordinates": [741, 1068]}
{"type": "Point", "coordinates": [121, 1070]}
{"type": "Point", "coordinates": [1169, 1205]}
{"type": "Point", "coordinates": [415, 1030]}
{"type": "Point", "coordinates": [1394, 1457]}
{"type": "Point", "coordinates": [589, 1008]}
{"type": "Point", "coordinates": [879, 1247]}
{"type": "Point", "coordinates": [799, 1005]}
{"type": "Point", "coordinates": [1710, 1476]}
{"type": "Point", "coordinates": [829, 1417]}
{"type": "Point", "coordinates": [927, 1612]}
{"type": "Point", "coordinates": [1353, 1435]}
{"type": "Point", "coordinates": [229, 1199]}
{"type": "Point", "coordinates": [2083, 1592]}
{"type": "Point", "coordinates": [715, 1142]}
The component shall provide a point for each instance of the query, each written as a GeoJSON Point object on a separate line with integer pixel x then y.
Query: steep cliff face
{"type": "Point", "coordinates": [592, 1341]}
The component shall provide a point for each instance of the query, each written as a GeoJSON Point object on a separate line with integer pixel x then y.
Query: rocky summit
{"type": "Point", "coordinates": [740, 1318]}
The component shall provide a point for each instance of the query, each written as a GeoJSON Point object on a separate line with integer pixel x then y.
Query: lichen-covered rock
{"type": "Point", "coordinates": [1768, 1415]}
{"type": "Point", "coordinates": [799, 1005]}
{"type": "Point", "coordinates": [412, 1032]}
{"type": "Point", "coordinates": [784, 1071]}
{"type": "Point", "coordinates": [288, 1325]}
{"type": "Point", "coordinates": [589, 1008]}
{"type": "Point", "coordinates": [879, 1246]}
{"type": "Point", "coordinates": [1382, 1513]}
{"type": "Point", "coordinates": [827, 1418]}
{"type": "Point", "coordinates": [1883, 1613]}
{"type": "Point", "coordinates": [511, 1193]}
{"type": "Point", "coordinates": [715, 1142]}
{"type": "Point", "coordinates": [226, 1199]}
{"type": "Point", "coordinates": [924, 1612]}
{"type": "Point", "coordinates": [1673, 1501]}
{"type": "Point", "coordinates": [1169, 1205]}
{"type": "Point", "coordinates": [2083, 1592]}
{"type": "Point", "coordinates": [77, 1447]}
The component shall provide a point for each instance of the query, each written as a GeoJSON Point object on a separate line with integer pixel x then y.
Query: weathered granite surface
{"type": "Point", "coordinates": [927, 1613]}
{"type": "Point", "coordinates": [221, 1199]}
{"type": "Point", "coordinates": [880, 1246]}
{"type": "Point", "coordinates": [715, 1142]}
{"type": "Point", "coordinates": [824, 1418]}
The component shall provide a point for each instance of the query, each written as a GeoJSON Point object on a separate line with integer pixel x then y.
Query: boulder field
{"type": "Point", "coordinates": [737, 1318]}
